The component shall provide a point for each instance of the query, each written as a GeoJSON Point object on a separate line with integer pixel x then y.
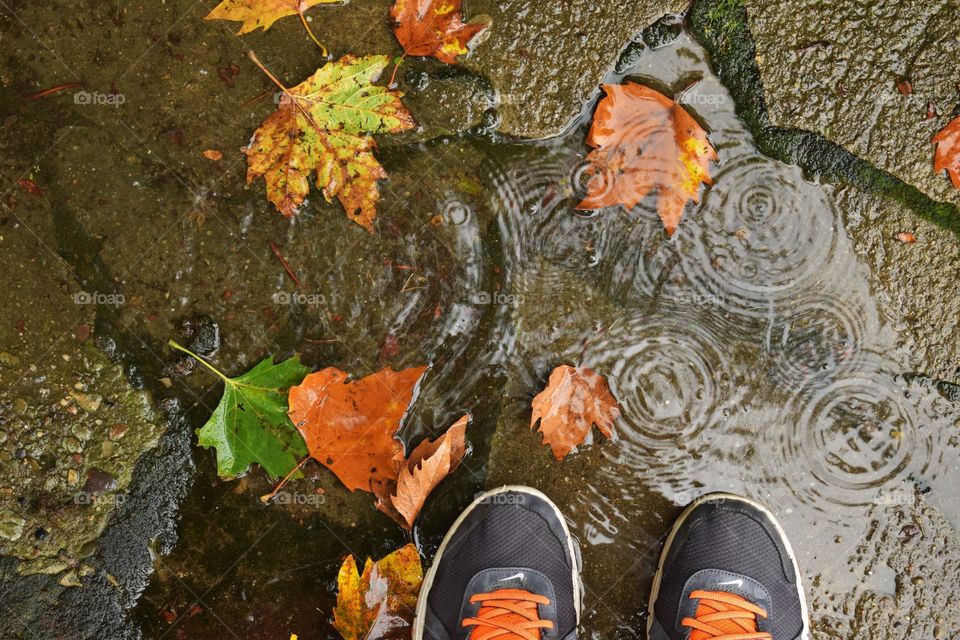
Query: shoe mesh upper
{"type": "Point", "coordinates": [503, 536]}
{"type": "Point", "coordinates": [738, 539]}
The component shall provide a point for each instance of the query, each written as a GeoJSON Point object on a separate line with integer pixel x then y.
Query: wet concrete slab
{"type": "Point", "coordinates": [547, 59]}
{"type": "Point", "coordinates": [837, 75]}
{"type": "Point", "coordinates": [479, 267]}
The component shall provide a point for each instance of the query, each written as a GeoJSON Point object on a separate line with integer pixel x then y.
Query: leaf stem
{"type": "Point", "coordinates": [265, 499]}
{"type": "Point", "coordinates": [253, 57]}
{"type": "Point", "coordinates": [306, 26]}
{"type": "Point", "coordinates": [173, 345]}
{"type": "Point", "coordinates": [396, 66]}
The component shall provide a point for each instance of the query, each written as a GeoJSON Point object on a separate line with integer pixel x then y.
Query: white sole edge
{"type": "Point", "coordinates": [714, 497]}
{"type": "Point", "coordinates": [418, 620]}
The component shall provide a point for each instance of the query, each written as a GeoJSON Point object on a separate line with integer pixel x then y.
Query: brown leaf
{"type": "Point", "coordinates": [213, 154]}
{"type": "Point", "coordinates": [906, 237]}
{"type": "Point", "coordinates": [947, 155]}
{"type": "Point", "coordinates": [645, 142]}
{"type": "Point", "coordinates": [432, 28]}
{"type": "Point", "coordinates": [575, 399]}
{"type": "Point", "coordinates": [349, 425]}
{"type": "Point", "coordinates": [428, 464]}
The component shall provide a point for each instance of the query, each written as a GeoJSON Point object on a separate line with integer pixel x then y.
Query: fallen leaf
{"type": "Point", "coordinates": [906, 237]}
{"type": "Point", "coordinates": [379, 603]}
{"type": "Point", "coordinates": [30, 187]}
{"type": "Point", "coordinates": [644, 142]}
{"type": "Point", "coordinates": [349, 425]}
{"type": "Point", "coordinates": [947, 155]}
{"type": "Point", "coordinates": [433, 28]}
{"type": "Point", "coordinates": [904, 86]}
{"type": "Point", "coordinates": [250, 424]}
{"type": "Point", "coordinates": [426, 467]}
{"type": "Point", "coordinates": [323, 126]}
{"type": "Point", "coordinates": [261, 14]}
{"type": "Point", "coordinates": [575, 399]}
{"type": "Point", "coordinates": [213, 154]}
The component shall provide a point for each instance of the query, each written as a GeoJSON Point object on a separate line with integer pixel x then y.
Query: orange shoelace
{"type": "Point", "coordinates": [507, 614]}
{"type": "Point", "coordinates": [725, 616]}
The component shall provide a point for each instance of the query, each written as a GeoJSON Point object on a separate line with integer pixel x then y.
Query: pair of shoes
{"type": "Point", "coordinates": [509, 569]}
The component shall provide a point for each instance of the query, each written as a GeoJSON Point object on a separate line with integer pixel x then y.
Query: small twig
{"type": "Point", "coordinates": [283, 262]}
{"type": "Point", "coordinates": [258, 97]}
{"type": "Point", "coordinates": [404, 288]}
{"type": "Point", "coordinates": [52, 90]}
{"type": "Point", "coordinates": [306, 26]}
{"type": "Point", "coordinates": [265, 499]}
{"type": "Point", "coordinates": [326, 341]}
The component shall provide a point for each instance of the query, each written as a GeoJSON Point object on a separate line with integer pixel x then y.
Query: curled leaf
{"type": "Point", "coordinates": [426, 467]}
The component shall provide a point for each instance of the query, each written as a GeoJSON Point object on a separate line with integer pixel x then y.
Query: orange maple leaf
{"type": "Point", "coordinates": [643, 142]}
{"type": "Point", "coordinates": [575, 399]}
{"type": "Point", "coordinates": [349, 425]}
{"type": "Point", "coordinates": [947, 155]}
{"type": "Point", "coordinates": [433, 28]}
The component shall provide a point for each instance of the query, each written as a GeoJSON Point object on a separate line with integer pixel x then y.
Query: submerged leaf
{"type": "Point", "coordinates": [380, 602]}
{"type": "Point", "coordinates": [433, 28]}
{"type": "Point", "coordinates": [645, 142]}
{"type": "Point", "coordinates": [322, 127]}
{"type": "Point", "coordinates": [250, 424]}
{"type": "Point", "coordinates": [575, 399]}
{"type": "Point", "coordinates": [349, 425]}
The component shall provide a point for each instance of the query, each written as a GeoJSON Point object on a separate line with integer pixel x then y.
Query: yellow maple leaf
{"type": "Point", "coordinates": [261, 14]}
{"type": "Point", "coordinates": [323, 127]}
{"type": "Point", "coordinates": [384, 596]}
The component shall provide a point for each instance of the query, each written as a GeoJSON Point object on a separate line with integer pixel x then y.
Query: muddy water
{"type": "Point", "coordinates": [748, 351]}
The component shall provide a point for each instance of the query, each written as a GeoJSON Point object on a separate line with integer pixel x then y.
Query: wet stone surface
{"type": "Point", "coordinates": [749, 354]}
{"type": "Point", "coordinates": [837, 76]}
{"type": "Point", "coordinates": [547, 59]}
{"type": "Point", "coordinates": [764, 349]}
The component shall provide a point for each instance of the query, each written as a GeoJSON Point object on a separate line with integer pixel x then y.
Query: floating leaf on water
{"type": "Point", "coordinates": [575, 399]}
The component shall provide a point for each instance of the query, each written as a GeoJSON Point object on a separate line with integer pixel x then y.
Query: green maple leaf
{"type": "Point", "coordinates": [323, 128]}
{"type": "Point", "coordinates": [250, 425]}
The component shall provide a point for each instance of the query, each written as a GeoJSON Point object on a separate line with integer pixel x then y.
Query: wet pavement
{"type": "Point", "coordinates": [780, 345]}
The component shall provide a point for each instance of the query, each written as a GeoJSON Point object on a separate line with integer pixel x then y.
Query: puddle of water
{"type": "Point", "coordinates": [747, 351]}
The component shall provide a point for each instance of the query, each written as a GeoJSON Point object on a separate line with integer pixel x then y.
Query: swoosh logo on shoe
{"type": "Point", "coordinates": [736, 583]}
{"type": "Point", "coordinates": [513, 577]}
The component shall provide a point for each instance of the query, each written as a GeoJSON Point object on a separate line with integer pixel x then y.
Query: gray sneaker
{"type": "Point", "coordinates": [727, 571]}
{"type": "Point", "coordinates": [508, 569]}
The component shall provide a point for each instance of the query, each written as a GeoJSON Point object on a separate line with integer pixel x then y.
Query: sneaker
{"type": "Point", "coordinates": [727, 571]}
{"type": "Point", "coordinates": [508, 569]}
